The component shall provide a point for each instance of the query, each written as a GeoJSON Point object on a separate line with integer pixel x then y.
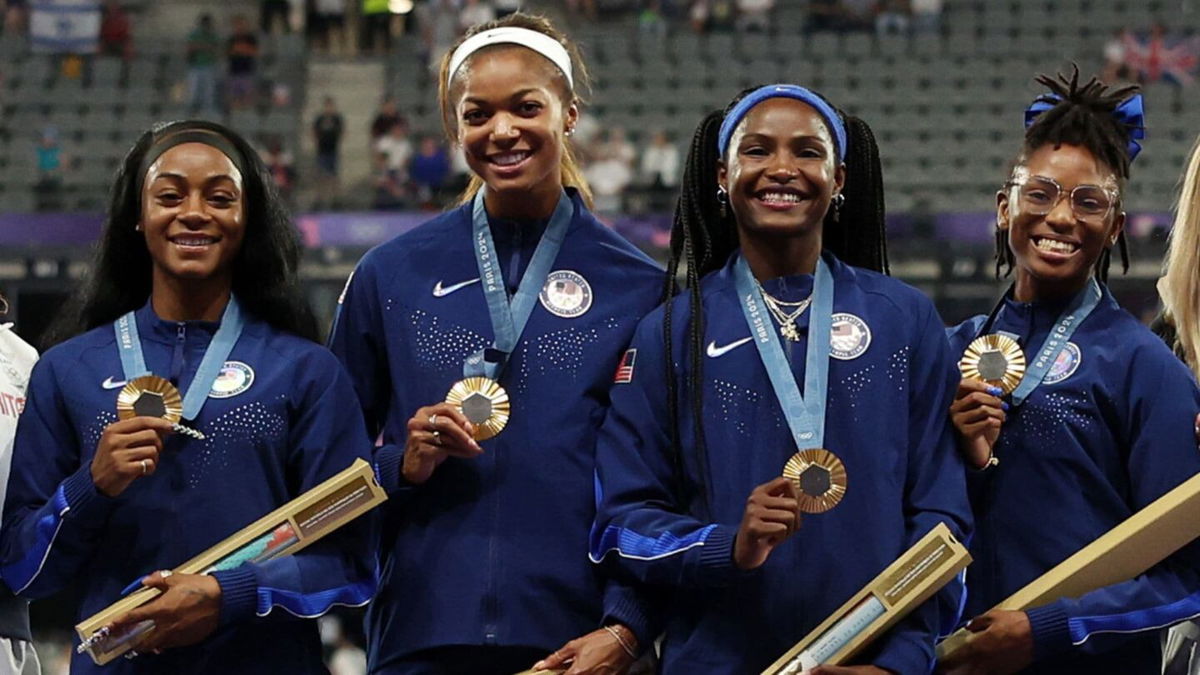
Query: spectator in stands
{"type": "Point", "coordinates": [385, 119]}
{"type": "Point", "coordinates": [327, 23]}
{"type": "Point", "coordinates": [439, 24]}
{"type": "Point", "coordinates": [475, 12]}
{"type": "Point", "coordinates": [428, 171]}
{"type": "Point", "coordinates": [859, 15]}
{"type": "Point", "coordinates": [754, 15]}
{"type": "Point", "coordinates": [50, 166]}
{"type": "Point", "coordinates": [611, 171]}
{"type": "Point", "coordinates": [376, 26]}
{"type": "Point", "coordinates": [660, 163]}
{"type": "Point", "coordinates": [651, 20]}
{"type": "Point", "coordinates": [203, 46]}
{"type": "Point", "coordinates": [274, 12]}
{"type": "Point", "coordinates": [242, 54]}
{"type": "Point", "coordinates": [280, 163]}
{"type": "Point", "coordinates": [587, 8]}
{"type": "Point", "coordinates": [616, 146]}
{"type": "Point", "coordinates": [698, 16]}
{"type": "Point", "coordinates": [398, 148]}
{"type": "Point", "coordinates": [506, 7]}
{"type": "Point", "coordinates": [388, 185]}
{"type": "Point", "coordinates": [327, 136]}
{"type": "Point", "coordinates": [891, 17]}
{"type": "Point", "coordinates": [927, 16]}
{"type": "Point", "coordinates": [1116, 66]}
{"type": "Point", "coordinates": [16, 16]}
{"type": "Point", "coordinates": [116, 38]}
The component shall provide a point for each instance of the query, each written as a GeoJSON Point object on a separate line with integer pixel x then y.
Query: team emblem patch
{"type": "Point", "coordinates": [566, 294]}
{"type": "Point", "coordinates": [849, 337]}
{"type": "Point", "coordinates": [1065, 365]}
{"type": "Point", "coordinates": [235, 377]}
{"type": "Point", "coordinates": [625, 367]}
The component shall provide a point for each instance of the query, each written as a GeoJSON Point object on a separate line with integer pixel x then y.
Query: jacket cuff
{"type": "Point", "coordinates": [87, 505]}
{"type": "Point", "coordinates": [627, 607]}
{"type": "Point", "coordinates": [1051, 632]}
{"type": "Point", "coordinates": [903, 655]}
{"type": "Point", "coordinates": [716, 557]}
{"type": "Point", "coordinates": [389, 463]}
{"type": "Point", "coordinates": [239, 593]}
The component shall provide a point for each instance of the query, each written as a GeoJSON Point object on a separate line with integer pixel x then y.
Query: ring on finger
{"type": "Point", "coordinates": [145, 466]}
{"type": "Point", "coordinates": [433, 421]}
{"type": "Point", "coordinates": [437, 437]}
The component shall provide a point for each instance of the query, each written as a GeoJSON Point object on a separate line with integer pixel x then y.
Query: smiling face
{"type": "Point", "coordinates": [513, 111]}
{"type": "Point", "coordinates": [192, 213]}
{"type": "Point", "coordinates": [781, 169]}
{"type": "Point", "coordinates": [1056, 252]}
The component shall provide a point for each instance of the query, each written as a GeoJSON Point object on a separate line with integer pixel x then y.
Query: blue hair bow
{"type": "Point", "coordinates": [1131, 114]}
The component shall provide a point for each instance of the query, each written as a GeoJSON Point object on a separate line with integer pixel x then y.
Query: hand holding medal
{"type": "Point", "coordinates": [435, 433]}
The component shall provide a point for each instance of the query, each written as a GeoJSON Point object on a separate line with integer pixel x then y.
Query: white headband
{"type": "Point", "coordinates": [530, 39]}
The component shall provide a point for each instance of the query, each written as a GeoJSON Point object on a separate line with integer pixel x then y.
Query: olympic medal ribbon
{"type": "Point", "coordinates": [133, 362]}
{"type": "Point", "coordinates": [509, 318]}
{"type": "Point", "coordinates": [1038, 367]}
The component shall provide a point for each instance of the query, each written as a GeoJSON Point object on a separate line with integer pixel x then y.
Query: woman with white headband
{"type": "Point", "coordinates": [483, 345]}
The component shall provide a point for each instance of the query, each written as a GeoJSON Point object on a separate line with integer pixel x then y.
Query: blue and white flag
{"type": "Point", "coordinates": [64, 26]}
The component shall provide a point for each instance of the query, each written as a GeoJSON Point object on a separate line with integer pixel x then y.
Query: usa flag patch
{"type": "Point", "coordinates": [625, 367]}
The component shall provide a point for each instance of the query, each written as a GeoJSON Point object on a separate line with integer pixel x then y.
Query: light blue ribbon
{"type": "Point", "coordinates": [133, 362]}
{"type": "Point", "coordinates": [509, 319]}
{"type": "Point", "coordinates": [1039, 364]}
{"type": "Point", "coordinates": [804, 412]}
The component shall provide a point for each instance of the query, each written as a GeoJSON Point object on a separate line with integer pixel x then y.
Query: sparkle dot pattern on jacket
{"type": "Point", "coordinates": [252, 422]}
{"type": "Point", "coordinates": [441, 343]}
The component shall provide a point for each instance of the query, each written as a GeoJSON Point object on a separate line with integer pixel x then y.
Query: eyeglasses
{"type": "Point", "coordinates": [1039, 195]}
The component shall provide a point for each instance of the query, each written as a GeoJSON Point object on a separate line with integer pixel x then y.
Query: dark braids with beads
{"type": "Point", "coordinates": [1082, 116]}
{"type": "Point", "coordinates": [704, 236]}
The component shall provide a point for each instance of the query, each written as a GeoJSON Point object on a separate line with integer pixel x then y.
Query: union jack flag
{"type": "Point", "coordinates": [1156, 58]}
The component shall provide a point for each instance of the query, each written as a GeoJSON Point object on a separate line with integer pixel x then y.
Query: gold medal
{"type": "Point", "coordinates": [482, 401]}
{"type": "Point", "coordinates": [152, 396]}
{"type": "Point", "coordinates": [820, 479]}
{"type": "Point", "coordinates": [995, 359]}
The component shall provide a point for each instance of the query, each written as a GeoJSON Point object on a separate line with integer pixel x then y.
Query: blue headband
{"type": "Point", "coordinates": [1129, 114]}
{"type": "Point", "coordinates": [832, 119]}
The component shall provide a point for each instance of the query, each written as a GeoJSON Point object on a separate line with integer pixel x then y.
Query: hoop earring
{"type": "Point", "coordinates": [838, 200]}
{"type": "Point", "coordinates": [723, 198]}
{"type": "Point", "coordinates": [3, 305]}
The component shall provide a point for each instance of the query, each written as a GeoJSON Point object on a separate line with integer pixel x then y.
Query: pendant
{"type": "Point", "coordinates": [789, 331]}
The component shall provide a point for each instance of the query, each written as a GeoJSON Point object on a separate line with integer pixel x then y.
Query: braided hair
{"type": "Point", "coordinates": [704, 235]}
{"type": "Point", "coordinates": [1082, 116]}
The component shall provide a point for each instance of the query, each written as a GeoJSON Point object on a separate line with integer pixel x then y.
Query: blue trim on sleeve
{"type": "Point", "coordinates": [22, 573]}
{"type": "Point", "coordinates": [311, 605]}
{"type": "Point", "coordinates": [630, 544]}
{"type": "Point", "coordinates": [1152, 618]}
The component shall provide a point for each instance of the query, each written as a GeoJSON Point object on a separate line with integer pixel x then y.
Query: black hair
{"type": "Point", "coordinates": [1082, 116]}
{"type": "Point", "coordinates": [264, 271]}
{"type": "Point", "coordinates": [704, 235]}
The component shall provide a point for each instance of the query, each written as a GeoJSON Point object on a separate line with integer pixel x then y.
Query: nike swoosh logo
{"type": "Point", "coordinates": [442, 291]}
{"type": "Point", "coordinates": [109, 384]}
{"type": "Point", "coordinates": [714, 351]}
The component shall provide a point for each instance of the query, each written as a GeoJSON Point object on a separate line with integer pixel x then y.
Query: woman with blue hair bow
{"type": "Point", "coordinates": [1098, 426]}
{"type": "Point", "coordinates": [791, 348]}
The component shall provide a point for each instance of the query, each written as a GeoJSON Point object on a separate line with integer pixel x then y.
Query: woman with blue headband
{"type": "Point", "coordinates": [187, 398]}
{"type": "Point", "coordinates": [1096, 424]}
{"type": "Point", "coordinates": [791, 348]}
{"type": "Point", "coordinates": [483, 344]}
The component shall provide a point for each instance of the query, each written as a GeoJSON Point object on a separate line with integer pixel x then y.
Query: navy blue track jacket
{"type": "Point", "coordinates": [1107, 432]}
{"type": "Point", "coordinates": [891, 381]}
{"type": "Point", "coordinates": [281, 420]}
{"type": "Point", "coordinates": [493, 550]}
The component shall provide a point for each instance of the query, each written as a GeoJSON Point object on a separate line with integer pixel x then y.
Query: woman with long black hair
{"type": "Point", "coordinates": [194, 284]}
{"type": "Point", "coordinates": [791, 348]}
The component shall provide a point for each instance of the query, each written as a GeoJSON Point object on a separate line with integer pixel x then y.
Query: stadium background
{"type": "Point", "coordinates": [943, 83]}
